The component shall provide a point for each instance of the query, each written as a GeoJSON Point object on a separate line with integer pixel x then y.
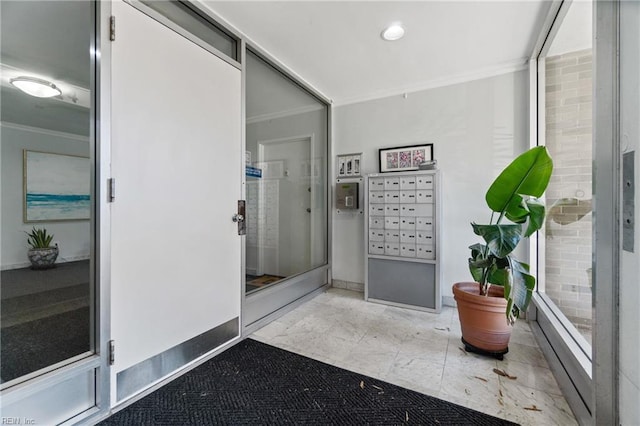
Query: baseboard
{"type": "Point", "coordinates": [348, 285]}
{"type": "Point", "coordinates": [15, 266]}
{"type": "Point", "coordinates": [67, 259]}
{"type": "Point", "coordinates": [449, 301]}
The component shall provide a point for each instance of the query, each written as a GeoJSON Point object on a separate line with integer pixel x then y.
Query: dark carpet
{"type": "Point", "coordinates": [23, 281]}
{"type": "Point", "coordinates": [33, 345]}
{"type": "Point", "coordinates": [254, 383]}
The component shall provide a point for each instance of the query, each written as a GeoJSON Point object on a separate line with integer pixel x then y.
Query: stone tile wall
{"type": "Point", "coordinates": [568, 235]}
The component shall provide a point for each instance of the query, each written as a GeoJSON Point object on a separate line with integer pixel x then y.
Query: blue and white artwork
{"type": "Point", "coordinates": [56, 187]}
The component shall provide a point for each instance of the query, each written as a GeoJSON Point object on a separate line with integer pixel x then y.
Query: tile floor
{"type": "Point", "coordinates": [422, 351]}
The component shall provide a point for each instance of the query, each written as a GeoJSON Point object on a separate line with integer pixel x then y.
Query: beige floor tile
{"type": "Point", "coordinates": [532, 376]}
{"type": "Point", "coordinates": [418, 373]}
{"type": "Point", "coordinates": [528, 406]}
{"type": "Point", "coordinates": [422, 351]}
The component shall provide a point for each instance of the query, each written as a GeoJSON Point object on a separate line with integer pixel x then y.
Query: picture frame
{"type": "Point", "coordinates": [348, 165]}
{"type": "Point", "coordinates": [404, 158]}
{"type": "Point", "coordinates": [56, 187]}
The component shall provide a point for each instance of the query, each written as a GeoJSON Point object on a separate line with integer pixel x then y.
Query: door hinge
{"type": "Point", "coordinates": [112, 28]}
{"type": "Point", "coordinates": [112, 352]}
{"type": "Point", "coordinates": [111, 190]}
{"type": "Point", "coordinates": [628, 201]}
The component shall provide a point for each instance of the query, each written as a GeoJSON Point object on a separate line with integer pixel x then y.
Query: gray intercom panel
{"type": "Point", "coordinates": [347, 195]}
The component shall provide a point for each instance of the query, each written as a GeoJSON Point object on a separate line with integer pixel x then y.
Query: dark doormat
{"type": "Point", "coordinates": [254, 383]}
{"type": "Point", "coordinates": [263, 280]}
{"type": "Point", "coordinates": [33, 345]}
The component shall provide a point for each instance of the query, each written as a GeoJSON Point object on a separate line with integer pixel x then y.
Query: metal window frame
{"type": "Point", "coordinates": [592, 395]}
{"type": "Point", "coordinates": [608, 224]}
{"type": "Point", "coordinates": [297, 287]}
{"type": "Point", "coordinates": [36, 383]}
{"type": "Point", "coordinates": [201, 12]}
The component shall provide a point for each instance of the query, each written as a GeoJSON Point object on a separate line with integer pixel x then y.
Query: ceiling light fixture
{"type": "Point", "coordinates": [393, 32]}
{"type": "Point", "coordinates": [36, 87]}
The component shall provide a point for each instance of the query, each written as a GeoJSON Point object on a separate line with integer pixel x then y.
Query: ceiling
{"type": "Point", "coordinates": [575, 33]}
{"type": "Point", "coordinates": [49, 40]}
{"type": "Point", "coordinates": [336, 46]}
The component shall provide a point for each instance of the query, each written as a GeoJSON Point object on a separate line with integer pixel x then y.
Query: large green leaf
{"type": "Point", "coordinates": [476, 271]}
{"type": "Point", "coordinates": [536, 216]}
{"type": "Point", "coordinates": [517, 211]}
{"type": "Point", "coordinates": [521, 289]}
{"type": "Point", "coordinates": [528, 174]}
{"type": "Point", "coordinates": [478, 262]}
{"type": "Point", "coordinates": [499, 276]}
{"type": "Point", "coordinates": [477, 249]}
{"type": "Point", "coordinates": [501, 239]}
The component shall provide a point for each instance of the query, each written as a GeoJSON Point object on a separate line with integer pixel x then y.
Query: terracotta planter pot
{"type": "Point", "coordinates": [482, 319]}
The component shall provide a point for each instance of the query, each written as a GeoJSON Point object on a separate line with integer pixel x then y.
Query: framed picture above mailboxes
{"type": "Point", "coordinates": [404, 158]}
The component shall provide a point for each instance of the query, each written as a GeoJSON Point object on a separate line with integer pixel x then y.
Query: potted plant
{"type": "Point", "coordinates": [41, 254]}
{"type": "Point", "coordinates": [503, 285]}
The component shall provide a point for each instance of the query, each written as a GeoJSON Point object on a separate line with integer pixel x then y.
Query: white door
{"type": "Point", "coordinates": [294, 205]}
{"type": "Point", "coordinates": [176, 161]}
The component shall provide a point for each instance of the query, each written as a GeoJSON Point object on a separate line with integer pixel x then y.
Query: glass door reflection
{"type": "Point", "coordinates": [286, 202]}
{"type": "Point", "coordinates": [568, 86]}
{"type": "Point", "coordinates": [46, 186]}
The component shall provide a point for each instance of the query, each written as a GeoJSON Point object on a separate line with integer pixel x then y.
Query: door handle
{"type": "Point", "coordinates": [239, 218]}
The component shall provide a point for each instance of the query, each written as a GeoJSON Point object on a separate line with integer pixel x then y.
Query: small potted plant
{"type": "Point", "coordinates": [503, 285]}
{"type": "Point", "coordinates": [41, 254]}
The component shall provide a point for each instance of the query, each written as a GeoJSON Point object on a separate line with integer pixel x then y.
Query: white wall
{"type": "Point", "coordinates": [476, 127]}
{"type": "Point", "coordinates": [73, 237]}
{"type": "Point", "coordinates": [629, 296]}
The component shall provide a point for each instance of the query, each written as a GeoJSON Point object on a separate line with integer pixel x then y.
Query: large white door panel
{"type": "Point", "coordinates": [176, 158]}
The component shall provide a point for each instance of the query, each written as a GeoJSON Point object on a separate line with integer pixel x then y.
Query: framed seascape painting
{"type": "Point", "coordinates": [404, 158]}
{"type": "Point", "coordinates": [56, 187]}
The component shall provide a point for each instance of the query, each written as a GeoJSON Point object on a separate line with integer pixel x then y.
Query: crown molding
{"type": "Point", "coordinates": [42, 131]}
{"type": "Point", "coordinates": [479, 74]}
{"type": "Point", "coordinates": [282, 114]}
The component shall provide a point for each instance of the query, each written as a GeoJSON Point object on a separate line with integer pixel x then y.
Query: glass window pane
{"type": "Point", "coordinates": [46, 184]}
{"type": "Point", "coordinates": [196, 24]}
{"type": "Point", "coordinates": [568, 136]}
{"type": "Point", "coordinates": [286, 139]}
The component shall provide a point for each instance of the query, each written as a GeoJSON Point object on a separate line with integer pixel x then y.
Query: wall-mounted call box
{"type": "Point", "coordinates": [347, 195]}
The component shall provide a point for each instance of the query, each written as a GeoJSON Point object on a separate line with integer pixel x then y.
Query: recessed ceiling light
{"type": "Point", "coordinates": [393, 32]}
{"type": "Point", "coordinates": [36, 87]}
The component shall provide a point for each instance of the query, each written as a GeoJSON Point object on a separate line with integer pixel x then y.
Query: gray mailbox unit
{"type": "Point", "coordinates": [402, 263]}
